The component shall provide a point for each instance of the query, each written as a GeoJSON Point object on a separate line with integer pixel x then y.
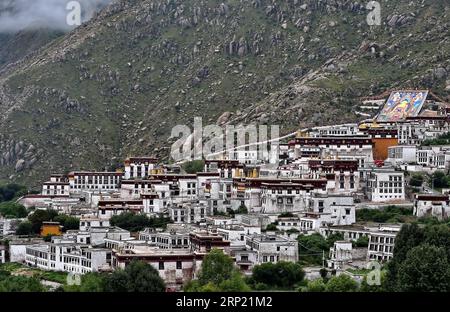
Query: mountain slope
{"type": "Point", "coordinates": [118, 84]}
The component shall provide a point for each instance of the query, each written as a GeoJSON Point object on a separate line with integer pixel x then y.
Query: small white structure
{"type": "Point", "coordinates": [272, 248]}
{"type": "Point", "coordinates": [139, 167]}
{"type": "Point", "coordinates": [2, 254]}
{"type": "Point", "coordinates": [340, 254]}
{"type": "Point", "coordinates": [401, 154]}
{"type": "Point", "coordinates": [434, 205]}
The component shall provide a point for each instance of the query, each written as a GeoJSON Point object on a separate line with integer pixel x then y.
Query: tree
{"type": "Point", "coordinates": [282, 275]}
{"type": "Point", "coordinates": [362, 241]}
{"type": "Point", "coordinates": [425, 269]}
{"type": "Point", "coordinates": [311, 248]}
{"type": "Point", "coordinates": [365, 287]}
{"type": "Point", "coordinates": [416, 180]}
{"type": "Point", "coordinates": [424, 239]}
{"type": "Point", "coordinates": [24, 228]}
{"type": "Point", "coordinates": [137, 222]}
{"type": "Point", "coordinates": [438, 235]}
{"type": "Point", "coordinates": [334, 238]}
{"type": "Point", "coordinates": [242, 209]}
{"type": "Point", "coordinates": [39, 216]}
{"type": "Point", "coordinates": [194, 166]}
{"type": "Point", "coordinates": [68, 222]}
{"type": "Point", "coordinates": [216, 267]}
{"type": "Point", "coordinates": [388, 214]}
{"type": "Point", "coordinates": [90, 282]}
{"type": "Point", "coordinates": [138, 276]}
{"type": "Point", "coordinates": [271, 227]}
{"type": "Point", "coordinates": [341, 283]}
{"type": "Point", "coordinates": [217, 274]}
{"type": "Point", "coordinates": [13, 210]}
{"type": "Point", "coordinates": [9, 283]}
{"type": "Point", "coordinates": [10, 191]}
{"type": "Point", "coordinates": [316, 285]}
{"type": "Point", "coordinates": [439, 179]}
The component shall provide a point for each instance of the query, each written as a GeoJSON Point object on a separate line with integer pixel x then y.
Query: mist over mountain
{"type": "Point", "coordinates": [17, 15]}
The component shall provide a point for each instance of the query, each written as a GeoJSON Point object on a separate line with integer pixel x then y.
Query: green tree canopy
{"type": "Point", "coordinates": [137, 222]}
{"type": "Point", "coordinates": [68, 222]}
{"type": "Point", "coordinates": [10, 191]}
{"type": "Point", "coordinates": [283, 275]}
{"type": "Point", "coordinates": [317, 285]}
{"type": "Point", "coordinates": [194, 166]}
{"type": "Point", "coordinates": [138, 276]}
{"type": "Point", "coordinates": [439, 179]}
{"type": "Point", "coordinates": [24, 228]}
{"type": "Point", "coordinates": [311, 248]}
{"type": "Point", "coordinates": [39, 216]}
{"type": "Point", "coordinates": [362, 241]}
{"type": "Point", "coordinates": [341, 283]}
{"type": "Point", "coordinates": [416, 180]}
{"type": "Point", "coordinates": [425, 269]}
{"type": "Point", "coordinates": [13, 210]}
{"type": "Point", "coordinates": [10, 283]}
{"type": "Point", "coordinates": [217, 274]}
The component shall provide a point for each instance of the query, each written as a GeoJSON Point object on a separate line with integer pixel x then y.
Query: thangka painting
{"type": "Point", "coordinates": [402, 104]}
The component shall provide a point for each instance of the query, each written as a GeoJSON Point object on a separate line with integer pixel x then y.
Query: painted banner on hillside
{"type": "Point", "coordinates": [402, 104]}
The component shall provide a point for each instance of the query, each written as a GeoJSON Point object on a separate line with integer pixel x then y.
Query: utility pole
{"type": "Point", "coordinates": [323, 258]}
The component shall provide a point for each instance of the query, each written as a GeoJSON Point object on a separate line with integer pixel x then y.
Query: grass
{"type": "Point", "coordinates": [20, 269]}
{"type": "Point", "coordinates": [358, 271]}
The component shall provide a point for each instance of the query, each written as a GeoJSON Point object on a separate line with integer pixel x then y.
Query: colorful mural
{"type": "Point", "coordinates": [402, 104]}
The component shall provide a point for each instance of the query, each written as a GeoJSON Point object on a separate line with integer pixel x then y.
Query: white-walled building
{"type": "Point", "coordinates": [94, 181]}
{"type": "Point", "coordinates": [434, 157]}
{"type": "Point", "coordinates": [382, 242]}
{"type": "Point", "coordinates": [340, 254]}
{"type": "Point", "coordinates": [58, 185]}
{"type": "Point", "coordinates": [140, 167]}
{"type": "Point", "coordinates": [173, 238]}
{"type": "Point", "coordinates": [342, 175]}
{"type": "Point", "coordinates": [402, 154]}
{"type": "Point", "coordinates": [68, 257]}
{"type": "Point", "coordinates": [432, 205]}
{"type": "Point", "coordinates": [385, 185]}
{"type": "Point", "coordinates": [272, 248]}
{"type": "Point", "coordinates": [354, 147]}
{"type": "Point", "coordinates": [112, 207]}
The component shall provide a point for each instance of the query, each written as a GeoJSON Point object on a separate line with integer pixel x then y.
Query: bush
{"type": "Point", "coordinates": [271, 227]}
{"type": "Point", "coordinates": [362, 241]}
{"type": "Point", "coordinates": [10, 191]}
{"type": "Point", "coordinates": [137, 222]}
{"type": "Point", "coordinates": [341, 283]}
{"type": "Point", "coordinates": [311, 248]}
{"type": "Point", "coordinates": [138, 276]}
{"type": "Point", "coordinates": [24, 228]}
{"type": "Point", "coordinates": [280, 275]}
{"type": "Point", "coordinates": [217, 274]}
{"type": "Point", "coordinates": [416, 180]}
{"type": "Point", "coordinates": [242, 210]}
{"type": "Point", "coordinates": [388, 214]}
{"type": "Point", "coordinates": [316, 285]}
{"type": "Point", "coordinates": [68, 222]}
{"type": "Point", "coordinates": [194, 166]}
{"type": "Point", "coordinates": [13, 210]}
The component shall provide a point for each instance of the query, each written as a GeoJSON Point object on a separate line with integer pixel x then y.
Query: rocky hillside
{"type": "Point", "coordinates": [14, 47]}
{"type": "Point", "coordinates": [116, 85]}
